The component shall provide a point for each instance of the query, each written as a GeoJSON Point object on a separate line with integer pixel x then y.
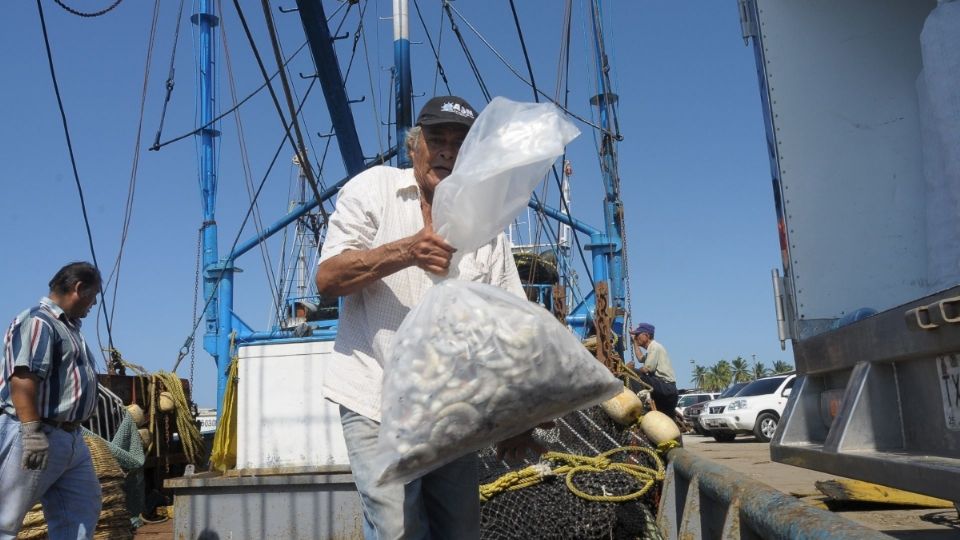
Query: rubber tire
{"type": "Point", "coordinates": [724, 437]}
{"type": "Point", "coordinates": [759, 426]}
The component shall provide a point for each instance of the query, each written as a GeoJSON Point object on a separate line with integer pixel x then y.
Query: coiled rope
{"type": "Point", "coordinates": [570, 465]}
{"type": "Point", "coordinates": [190, 437]}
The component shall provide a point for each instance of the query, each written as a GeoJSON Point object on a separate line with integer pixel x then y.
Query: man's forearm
{"type": "Point", "coordinates": [353, 270]}
{"type": "Point", "coordinates": [23, 393]}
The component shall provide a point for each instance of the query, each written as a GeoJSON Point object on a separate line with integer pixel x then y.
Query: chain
{"type": "Point", "coordinates": [168, 442]}
{"type": "Point", "coordinates": [626, 279]}
{"type": "Point", "coordinates": [91, 14]}
{"type": "Point", "coordinates": [196, 292]}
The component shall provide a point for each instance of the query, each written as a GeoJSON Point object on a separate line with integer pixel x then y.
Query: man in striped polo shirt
{"type": "Point", "coordinates": [48, 387]}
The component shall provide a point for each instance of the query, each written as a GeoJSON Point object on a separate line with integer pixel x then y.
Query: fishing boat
{"type": "Point", "coordinates": [279, 466]}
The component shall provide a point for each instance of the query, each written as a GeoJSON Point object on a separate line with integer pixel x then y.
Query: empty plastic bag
{"type": "Point", "coordinates": [506, 153]}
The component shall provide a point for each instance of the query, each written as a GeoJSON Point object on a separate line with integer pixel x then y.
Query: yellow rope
{"type": "Point", "coordinates": [572, 465]}
{"type": "Point", "coordinates": [667, 446]}
{"type": "Point", "coordinates": [189, 433]}
{"type": "Point", "coordinates": [190, 436]}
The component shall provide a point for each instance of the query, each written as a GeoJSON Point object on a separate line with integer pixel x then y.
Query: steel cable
{"type": "Point", "coordinates": [73, 161]}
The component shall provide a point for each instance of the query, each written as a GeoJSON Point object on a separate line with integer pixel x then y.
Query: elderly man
{"type": "Point", "coordinates": [657, 370]}
{"type": "Point", "coordinates": [48, 388]}
{"type": "Point", "coordinates": [379, 254]}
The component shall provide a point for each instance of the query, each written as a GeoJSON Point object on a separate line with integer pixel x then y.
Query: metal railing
{"type": "Point", "coordinates": [704, 500]}
{"type": "Point", "coordinates": [107, 415]}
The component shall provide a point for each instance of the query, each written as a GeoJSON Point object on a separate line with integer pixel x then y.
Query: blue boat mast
{"type": "Point", "coordinates": [221, 324]}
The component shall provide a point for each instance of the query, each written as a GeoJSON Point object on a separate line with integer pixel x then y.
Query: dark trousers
{"type": "Point", "coordinates": [664, 393]}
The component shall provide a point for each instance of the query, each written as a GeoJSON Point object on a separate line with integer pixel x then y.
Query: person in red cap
{"type": "Point", "coordinates": [657, 369]}
{"type": "Point", "coordinates": [380, 254]}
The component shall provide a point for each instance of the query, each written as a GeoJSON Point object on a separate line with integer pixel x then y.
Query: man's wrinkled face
{"type": "Point", "coordinates": [435, 153]}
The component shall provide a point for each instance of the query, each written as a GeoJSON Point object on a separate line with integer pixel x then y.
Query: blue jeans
{"type": "Point", "coordinates": [68, 488]}
{"type": "Point", "coordinates": [443, 504]}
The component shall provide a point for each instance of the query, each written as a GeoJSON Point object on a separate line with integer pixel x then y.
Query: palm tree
{"type": "Point", "coordinates": [781, 367]}
{"type": "Point", "coordinates": [760, 371]}
{"type": "Point", "coordinates": [699, 378]}
{"type": "Point", "coordinates": [719, 375]}
{"type": "Point", "coordinates": [739, 370]}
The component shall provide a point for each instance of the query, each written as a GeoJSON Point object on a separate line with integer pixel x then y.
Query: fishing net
{"type": "Point", "coordinates": [612, 463]}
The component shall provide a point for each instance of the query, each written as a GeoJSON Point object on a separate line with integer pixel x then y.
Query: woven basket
{"type": "Point", "coordinates": [114, 522]}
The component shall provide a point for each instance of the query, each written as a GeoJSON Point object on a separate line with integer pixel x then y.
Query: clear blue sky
{"type": "Point", "coordinates": [695, 173]}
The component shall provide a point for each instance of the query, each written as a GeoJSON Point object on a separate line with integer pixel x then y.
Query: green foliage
{"type": "Point", "coordinates": [782, 367]}
{"type": "Point", "coordinates": [759, 371]}
{"type": "Point", "coordinates": [739, 370]}
{"type": "Point", "coordinates": [699, 378]}
{"type": "Point", "coordinates": [719, 376]}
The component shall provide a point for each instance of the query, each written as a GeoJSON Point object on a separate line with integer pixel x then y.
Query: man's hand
{"type": "Point", "coordinates": [35, 446]}
{"type": "Point", "coordinates": [430, 252]}
{"type": "Point", "coordinates": [515, 448]}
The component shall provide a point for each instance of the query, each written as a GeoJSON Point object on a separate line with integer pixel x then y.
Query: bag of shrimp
{"type": "Point", "coordinates": [473, 365]}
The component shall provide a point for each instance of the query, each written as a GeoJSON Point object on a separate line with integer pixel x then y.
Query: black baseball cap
{"type": "Point", "coordinates": [446, 110]}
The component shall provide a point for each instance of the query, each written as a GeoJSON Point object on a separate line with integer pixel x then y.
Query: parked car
{"type": "Point", "coordinates": [693, 398]}
{"type": "Point", "coordinates": [691, 415]}
{"type": "Point", "coordinates": [733, 389]}
{"type": "Point", "coordinates": [755, 409]}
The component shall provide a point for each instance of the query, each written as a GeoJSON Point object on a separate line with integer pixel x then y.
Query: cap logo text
{"type": "Point", "coordinates": [456, 108]}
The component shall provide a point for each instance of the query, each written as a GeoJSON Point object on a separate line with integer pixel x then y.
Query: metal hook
{"type": "Point", "coordinates": [341, 36]}
{"type": "Point", "coordinates": [287, 10]}
{"type": "Point", "coordinates": [361, 100]}
{"type": "Point", "coordinates": [327, 136]}
{"type": "Point", "coordinates": [421, 94]}
{"type": "Point", "coordinates": [308, 77]}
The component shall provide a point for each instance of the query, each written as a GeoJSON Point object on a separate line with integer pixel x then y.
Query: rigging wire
{"type": "Point", "coordinates": [245, 165]}
{"type": "Point", "coordinates": [436, 73]}
{"type": "Point", "coordinates": [466, 52]}
{"type": "Point", "coordinates": [132, 187]}
{"type": "Point", "coordinates": [611, 110]}
{"type": "Point", "coordinates": [189, 341]}
{"type": "Point", "coordinates": [447, 6]}
{"type": "Point", "coordinates": [362, 29]}
{"type": "Point", "coordinates": [556, 176]}
{"type": "Point", "coordinates": [293, 88]}
{"type": "Point", "coordinates": [158, 145]}
{"type": "Point", "coordinates": [346, 77]}
{"type": "Point", "coordinates": [526, 56]}
{"type": "Point", "coordinates": [533, 83]}
{"type": "Point", "coordinates": [297, 144]}
{"type": "Point", "coordinates": [73, 161]}
{"type": "Point", "coordinates": [170, 77]}
{"type": "Point", "coordinates": [91, 14]}
{"type": "Point", "coordinates": [439, 72]}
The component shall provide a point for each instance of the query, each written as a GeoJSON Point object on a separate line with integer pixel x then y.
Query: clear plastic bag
{"type": "Point", "coordinates": [506, 153]}
{"type": "Point", "coordinates": [472, 365]}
